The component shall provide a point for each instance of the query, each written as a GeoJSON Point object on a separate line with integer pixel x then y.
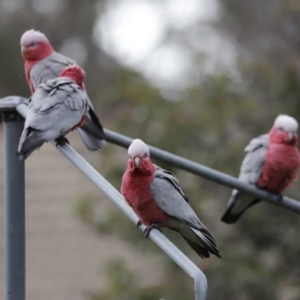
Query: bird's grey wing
{"type": "Point", "coordinates": [170, 200]}
{"type": "Point", "coordinates": [183, 218]}
{"type": "Point", "coordinates": [91, 132]}
{"type": "Point", "coordinates": [49, 68]}
{"type": "Point", "coordinates": [58, 58]}
{"type": "Point", "coordinates": [167, 175]}
{"type": "Point", "coordinates": [258, 142]}
{"type": "Point", "coordinates": [55, 108]}
{"type": "Point", "coordinates": [253, 162]}
{"type": "Point", "coordinates": [250, 172]}
{"type": "Point", "coordinates": [63, 106]}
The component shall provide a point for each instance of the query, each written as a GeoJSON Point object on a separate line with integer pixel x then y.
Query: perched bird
{"type": "Point", "coordinates": [271, 163]}
{"type": "Point", "coordinates": [43, 63]}
{"type": "Point", "coordinates": [156, 197]}
{"type": "Point", "coordinates": [56, 107]}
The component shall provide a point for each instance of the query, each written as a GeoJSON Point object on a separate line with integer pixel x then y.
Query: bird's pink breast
{"type": "Point", "coordinates": [136, 190]}
{"type": "Point", "coordinates": [280, 167]}
{"type": "Point", "coordinates": [28, 65]}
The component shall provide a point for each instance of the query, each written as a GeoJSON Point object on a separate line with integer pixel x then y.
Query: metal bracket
{"type": "Point", "coordinates": [10, 103]}
{"type": "Point", "coordinates": [11, 116]}
{"type": "Point", "coordinates": [8, 108]}
{"type": "Point", "coordinates": [200, 281]}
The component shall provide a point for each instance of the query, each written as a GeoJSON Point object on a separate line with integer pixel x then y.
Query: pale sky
{"type": "Point", "coordinates": [133, 32]}
{"type": "Point", "coordinates": [140, 34]}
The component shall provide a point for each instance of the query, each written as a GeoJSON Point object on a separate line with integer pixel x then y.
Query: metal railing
{"type": "Point", "coordinates": [15, 207]}
{"type": "Point", "coordinates": [208, 173]}
{"type": "Point", "coordinates": [11, 104]}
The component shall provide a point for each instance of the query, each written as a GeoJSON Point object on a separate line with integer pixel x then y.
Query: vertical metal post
{"type": "Point", "coordinates": [14, 191]}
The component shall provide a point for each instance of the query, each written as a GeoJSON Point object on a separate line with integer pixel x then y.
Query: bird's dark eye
{"type": "Point", "coordinates": [129, 157]}
{"type": "Point", "coordinates": [32, 44]}
{"type": "Point", "coordinates": [145, 154]}
{"type": "Point", "coordinates": [281, 129]}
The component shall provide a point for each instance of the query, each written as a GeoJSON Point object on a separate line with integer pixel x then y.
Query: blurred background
{"type": "Point", "coordinates": [198, 78]}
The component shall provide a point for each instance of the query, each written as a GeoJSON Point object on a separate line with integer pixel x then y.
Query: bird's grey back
{"type": "Point", "coordinates": [169, 197]}
{"type": "Point", "coordinates": [162, 173]}
{"type": "Point", "coordinates": [253, 162]}
{"type": "Point", "coordinates": [49, 68]}
{"type": "Point", "coordinates": [63, 96]}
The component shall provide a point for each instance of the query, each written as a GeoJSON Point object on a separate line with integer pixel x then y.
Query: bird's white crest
{"type": "Point", "coordinates": [287, 123]}
{"type": "Point", "coordinates": [137, 148]}
{"type": "Point", "coordinates": [32, 35]}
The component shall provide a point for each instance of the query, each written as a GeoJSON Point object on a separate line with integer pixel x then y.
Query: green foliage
{"type": "Point", "coordinates": [123, 285]}
{"type": "Point", "coordinates": [211, 125]}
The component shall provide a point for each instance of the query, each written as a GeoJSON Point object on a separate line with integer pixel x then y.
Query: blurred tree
{"type": "Point", "coordinates": [217, 116]}
{"type": "Point", "coordinates": [213, 122]}
{"type": "Point", "coordinates": [221, 124]}
{"type": "Point", "coordinates": [67, 24]}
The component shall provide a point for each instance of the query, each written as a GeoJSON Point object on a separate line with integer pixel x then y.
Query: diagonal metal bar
{"type": "Point", "coordinates": [200, 281]}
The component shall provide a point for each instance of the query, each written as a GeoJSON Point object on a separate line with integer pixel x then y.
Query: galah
{"type": "Point", "coordinates": [271, 163]}
{"type": "Point", "coordinates": [156, 197]}
{"type": "Point", "coordinates": [56, 107]}
{"type": "Point", "coordinates": [43, 63]}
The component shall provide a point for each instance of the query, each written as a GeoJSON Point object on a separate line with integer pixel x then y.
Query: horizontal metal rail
{"type": "Point", "coordinates": [195, 168]}
{"type": "Point", "coordinates": [200, 281]}
{"type": "Point", "coordinates": [207, 173]}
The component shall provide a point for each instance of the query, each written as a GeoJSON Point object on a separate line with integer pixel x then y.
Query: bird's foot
{"type": "Point", "coordinates": [60, 141]}
{"type": "Point", "coordinates": [149, 228]}
{"type": "Point", "coordinates": [138, 224]}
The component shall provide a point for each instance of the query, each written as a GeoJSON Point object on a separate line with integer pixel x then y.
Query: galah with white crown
{"type": "Point", "coordinates": [271, 163]}
{"type": "Point", "coordinates": [156, 197]}
{"type": "Point", "coordinates": [43, 63]}
{"type": "Point", "coordinates": [55, 108]}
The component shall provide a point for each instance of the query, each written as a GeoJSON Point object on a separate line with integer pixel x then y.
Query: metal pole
{"type": "Point", "coordinates": [156, 236]}
{"type": "Point", "coordinates": [14, 192]}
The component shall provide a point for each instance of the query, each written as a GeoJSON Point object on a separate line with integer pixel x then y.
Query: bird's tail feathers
{"type": "Point", "coordinates": [93, 129]}
{"type": "Point", "coordinates": [231, 217]}
{"type": "Point", "coordinates": [29, 141]}
{"type": "Point", "coordinates": [91, 132]}
{"type": "Point", "coordinates": [200, 239]}
{"type": "Point", "coordinates": [208, 240]}
{"type": "Point", "coordinates": [202, 252]}
{"type": "Point", "coordinates": [91, 142]}
{"type": "Point", "coordinates": [22, 139]}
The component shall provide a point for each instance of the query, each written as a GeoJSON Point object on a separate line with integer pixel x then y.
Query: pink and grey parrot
{"type": "Point", "coordinates": [43, 63]}
{"type": "Point", "coordinates": [56, 107]}
{"type": "Point", "coordinates": [156, 197]}
{"type": "Point", "coordinates": [271, 163]}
